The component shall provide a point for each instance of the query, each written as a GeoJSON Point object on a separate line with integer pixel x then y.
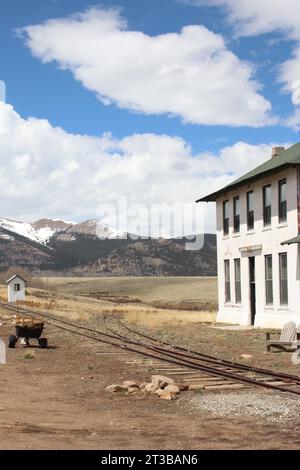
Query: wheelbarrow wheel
{"type": "Point", "coordinates": [12, 341]}
{"type": "Point", "coordinates": [43, 342]}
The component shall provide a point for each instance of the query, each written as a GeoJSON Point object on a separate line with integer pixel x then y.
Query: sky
{"type": "Point", "coordinates": [158, 102]}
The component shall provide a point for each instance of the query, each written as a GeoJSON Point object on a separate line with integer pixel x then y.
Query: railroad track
{"type": "Point", "coordinates": [192, 367]}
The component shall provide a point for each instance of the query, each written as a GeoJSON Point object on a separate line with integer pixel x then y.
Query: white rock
{"type": "Point", "coordinates": [151, 388]}
{"type": "Point", "coordinates": [161, 381]}
{"type": "Point", "coordinates": [172, 388]}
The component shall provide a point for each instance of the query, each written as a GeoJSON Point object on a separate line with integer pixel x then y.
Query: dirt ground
{"type": "Point", "coordinates": [57, 400]}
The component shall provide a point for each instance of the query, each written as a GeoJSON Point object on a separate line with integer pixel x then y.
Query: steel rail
{"type": "Point", "coordinates": [216, 360]}
{"type": "Point", "coordinates": [269, 375]}
{"type": "Point", "coordinates": [170, 359]}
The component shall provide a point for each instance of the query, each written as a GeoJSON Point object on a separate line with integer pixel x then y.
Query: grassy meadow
{"type": "Point", "coordinates": [172, 290]}
{"type": "Point", "coordinates": [143, 300]}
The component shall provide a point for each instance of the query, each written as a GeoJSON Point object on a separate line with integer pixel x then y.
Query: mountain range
{"type": "Point", "coordinates": [91, 248]}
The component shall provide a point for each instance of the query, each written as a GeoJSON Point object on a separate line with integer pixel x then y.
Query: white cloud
{"type": "Point", "coordinates": [190, 74]}
{"type": "Point", "coordinates": [255, 17]}
{"type": "Point", "coordinates": [47, 172]}
{"type": "Point", "coordinates": [258, 17]}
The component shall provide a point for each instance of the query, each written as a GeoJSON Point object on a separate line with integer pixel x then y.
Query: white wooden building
{"type": "Point", "coordinates": [16, 288]}
{"type": "Point", "coordinates": [258, 236]}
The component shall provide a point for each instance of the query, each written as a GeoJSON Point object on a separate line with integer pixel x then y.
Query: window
{"type": "Point", "coordinates": [269, 279]}
{"type": "Point", "coordinates": [17, 287]}
{"type": "Point", "coordinates": [267, 204]}
{"type": "Point", "coordinates": [236, 214]}
{"type": "Point", "coordinates": [226, 217]}
{"type": "Point", "coordinates": [283, 277]}
{"type": "Point", "coordinates": [250, 211]}
{"type": "Point", "coordinates": [227, 281]}
{"type": "Point", "coordinates": [282, 203]}
{"type": "Point", "coordinates": [237, 275]}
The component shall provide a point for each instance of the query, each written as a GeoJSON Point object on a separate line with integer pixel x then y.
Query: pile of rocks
{"type": "Point", "coordinates": [164, 387]}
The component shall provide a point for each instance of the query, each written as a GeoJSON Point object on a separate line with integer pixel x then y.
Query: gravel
{"type": "Point", "coordinates": [270, 407]}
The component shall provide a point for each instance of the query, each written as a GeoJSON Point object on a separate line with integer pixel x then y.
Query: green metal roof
{"type": "Point", "coordinates": [289, 157]}
{"type": "Point", "coordinates": [292, 240]}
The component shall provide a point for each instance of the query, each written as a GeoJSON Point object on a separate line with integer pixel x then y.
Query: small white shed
{"type": "Point", "coordinates": [16, 288]}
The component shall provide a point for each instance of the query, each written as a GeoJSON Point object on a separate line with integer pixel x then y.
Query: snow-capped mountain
{"type": "Point", "coordinates": [42, 231]}
{"type": "Point", "coordinates": [45, 229]}
{"type": "Point", "coordinates": [91, 228]}
{"type": "Point", "coordinates": [91, 247]}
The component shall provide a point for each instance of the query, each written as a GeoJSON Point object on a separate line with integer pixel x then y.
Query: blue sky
{"type": "Point", "coordinates": [41, 90]}
{"type": "Point", "coordinates": [248, 41]}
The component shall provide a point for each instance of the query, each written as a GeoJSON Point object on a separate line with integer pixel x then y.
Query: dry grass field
{"type": "Point", "coordinates": [146, 301]}
{"type": "Point", "coordinates": [149, 289]}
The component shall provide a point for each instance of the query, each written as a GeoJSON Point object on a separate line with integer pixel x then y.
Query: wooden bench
{"type": "Point", "coordinates": [290, 334]}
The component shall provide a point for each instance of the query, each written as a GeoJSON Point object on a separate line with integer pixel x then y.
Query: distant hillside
{"type": "Point", "coordinates": [157, 258]}
{"type": "Point", "coordinates": [16, 250]}
{"type": "Point", "coordinates": [59, 246]}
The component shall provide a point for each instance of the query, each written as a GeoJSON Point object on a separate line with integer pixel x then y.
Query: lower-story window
{"type": "Point", "coordinates": [269, 279]}
{"type": "Point", "coordinates": [227, 280]}
{"type": "Point", "coordinates": [237, 274]}
{"type": "Point", "coordinates": [283, 277]}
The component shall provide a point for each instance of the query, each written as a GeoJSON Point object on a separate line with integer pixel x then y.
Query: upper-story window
{"type": "Point", "coordinates": [226, 217]}
{"type": "Point", "coordinates": [267, 204]}
{"type": "Point", "coordinates": [236, 214]}
{"type": "Point", "coordinates": [250, 210]}
{"type": "Point", "coordinates": [282, 202]}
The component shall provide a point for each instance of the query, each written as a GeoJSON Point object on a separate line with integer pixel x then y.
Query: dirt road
{"type": "Point", "coordinates": [57, 400]}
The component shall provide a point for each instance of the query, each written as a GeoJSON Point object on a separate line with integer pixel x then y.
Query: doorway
{"type": "Point", "coordinates": [252, 288]}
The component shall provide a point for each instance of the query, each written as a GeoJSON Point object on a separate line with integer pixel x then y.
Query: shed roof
{"type": "Point", "coordinates": [13, 277]}
{"type": "Point", "coordinates": [288, 158]}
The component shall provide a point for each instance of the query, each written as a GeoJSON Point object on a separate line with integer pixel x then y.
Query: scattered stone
{"type": "Point", "coordinates": [162, 386]}
{"type": "Point", "coordinates": [167, 395]}
{"type": "Point", "coordinates": [172, 389]}
{"type": "Point", "coordinates": [246, 356]}
{"type": "Point", "coordinates": [116, 388]}
{"type": "Point", "coordinates": [183, 387]}
{"type": "Point", "coordinates": [151, 388]}
{"type": "Point", "coordinates": [161, 381]}
{"type": "Point", "coordinates": [130, 384]}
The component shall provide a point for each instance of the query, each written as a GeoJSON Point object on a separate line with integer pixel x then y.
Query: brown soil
{"type": "Point", "coordinates": [57, 400]}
